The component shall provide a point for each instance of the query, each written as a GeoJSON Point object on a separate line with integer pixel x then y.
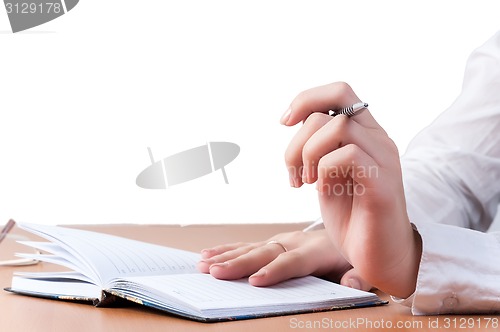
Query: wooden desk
{"type": "Point", "coordinates": [22, 313]}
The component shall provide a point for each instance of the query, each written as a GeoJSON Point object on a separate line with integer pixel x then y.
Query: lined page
{"type": "Point", "coordinates": [113, 257]}
{"type": "Point", "coordinates": [204, 292]}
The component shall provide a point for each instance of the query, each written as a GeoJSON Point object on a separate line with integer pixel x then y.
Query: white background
{"type": "Point", "coordinates": [83, 96]}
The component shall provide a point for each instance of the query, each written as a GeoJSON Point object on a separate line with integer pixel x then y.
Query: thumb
{"type": "Point", "coordinates": [352, 279]}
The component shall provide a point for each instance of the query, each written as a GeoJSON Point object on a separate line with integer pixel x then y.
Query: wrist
{"type": "Point", "coordinates": [400, 280]}
{"type": "Point", "coordinates": [410, 273]}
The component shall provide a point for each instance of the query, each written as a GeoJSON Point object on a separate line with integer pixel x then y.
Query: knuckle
{"type": "Point", "coordinates": [341, 121]}
{"type": "Point", "coordinates": [342, 86]}
{"type": "Point", "coordinates": [344, 92]}
{"type": "Point", "coordinates": [317, 120]}
{"type": "Point", "coordinates": [393, 147]}
{"type": "Point", "coordinates": [294, 237]}
{"type": "Point", "coordinates": [270, 250]}
{"type": "Point", "coordinates": [352, 151]}
{"type": "Point", "coordinates": [293, 257]}
{"type": "Point", "coordinates": [309, 152]}
{"type": "Point", "coordinates": [339, 125]}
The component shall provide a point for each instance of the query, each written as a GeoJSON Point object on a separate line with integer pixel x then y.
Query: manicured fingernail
{"type": "Point", "coordinates": [260, 273]}
{"type": "Point", "coordinates": [218, 265]}
{"type": "Point", "coordinates": [354, 283]}
{"type": "Point", "coordinates": [286, 116]}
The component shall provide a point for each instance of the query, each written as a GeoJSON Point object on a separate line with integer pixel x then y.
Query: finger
{"type": "Point", "coordinates": [227, 252]}
{"type": "Point", "coordinates": [338, 132]}
{"type": "Point", "coordinates": [291, 264]}
{"type": "Point", "coordinates": [352, 279]}
{"type": "Point", "coordinates": [293, 154]}
{"type": "Point", "coordinates": [220, 249]}
{"type": "Point", "coordinates": [363, 201]}
{"type": "Point", "coordinates": [348, 162]}
{"type": "Point", "coordinates": [246, 264]}
{"type": "Point", "coordinates": [348, 177]}
{"type": "Point", "coordinates": [325, 98]}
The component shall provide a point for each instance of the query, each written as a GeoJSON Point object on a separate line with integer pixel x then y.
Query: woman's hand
{"type": "Point", "coordinates": [358, 176]}
{"type": "Point", "coordinates": [307, 253]}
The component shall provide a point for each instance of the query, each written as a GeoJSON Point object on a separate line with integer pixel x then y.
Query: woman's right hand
{"type": "Point", "coordinates": [307, 253]}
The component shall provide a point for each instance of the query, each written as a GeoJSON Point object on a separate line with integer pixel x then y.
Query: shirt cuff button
{"type": "Point", "coordinates": [450, 302]}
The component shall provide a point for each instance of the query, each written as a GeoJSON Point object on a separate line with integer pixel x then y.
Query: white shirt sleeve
{"type": "Point", "coordinates": [459, 271]}
{"type": "Point", "coordinates": [451, 175]}
{"type": "Point", "coordinates": [451, 169]}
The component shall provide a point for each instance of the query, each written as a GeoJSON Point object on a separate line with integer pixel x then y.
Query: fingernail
{"type": "Point", "coordinates": [260, 273]}
{"type": "Point", "coordinates": [206, 252]}
{"type": "Point", "coordinates": [218, 265]}
{"type": "Point", "coordinates": [298, 182]}
{"type": "Point", "coordinates": [286, 116]}
{"type": "Point", "coordinates": [354, 283]}
{"type": "Point", "coordinates": [304, 177]}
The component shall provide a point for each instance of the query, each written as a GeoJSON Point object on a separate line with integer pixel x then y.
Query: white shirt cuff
{"type": "Point", "coordinates": [459, 272]}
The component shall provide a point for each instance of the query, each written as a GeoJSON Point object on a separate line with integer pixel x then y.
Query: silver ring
{"type": "Point", "coordinates": [278, 243]}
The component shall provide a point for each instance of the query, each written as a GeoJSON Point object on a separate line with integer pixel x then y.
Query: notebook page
{"type": "Point", "coordinates": [114, 257]}
{"type": "Point", "coordinates": [59, 256]}
{"type": "Point", "coordinates": [206, 293]}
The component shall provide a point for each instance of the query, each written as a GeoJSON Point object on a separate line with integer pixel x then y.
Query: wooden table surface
{"type": "Point", "coordinates": [23, 313]}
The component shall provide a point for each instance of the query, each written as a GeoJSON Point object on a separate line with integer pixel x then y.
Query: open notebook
{"type": "Point", "coordinates": [103, 268]}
